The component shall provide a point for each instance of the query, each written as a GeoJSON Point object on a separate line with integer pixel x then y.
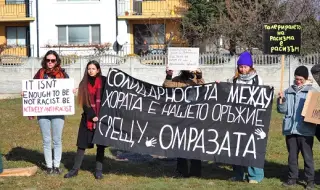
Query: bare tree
{"type": "Point", "coordinates": [241, 23]}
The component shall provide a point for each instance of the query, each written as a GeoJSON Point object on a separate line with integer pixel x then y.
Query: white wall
{"type": "Point", "coordinates": [33, 28]}
{"type": "Point", "coordinates": [124, 32]}
{"type": "Point", "coordinates": [152, 74]}
{"type": "Point", "coordinates": [52, 13]}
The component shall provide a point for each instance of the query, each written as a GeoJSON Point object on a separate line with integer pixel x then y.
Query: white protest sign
{"type": "Point", "coordinates": [48, 97]}
{"type": "Point", "coordinates": [183, 58]}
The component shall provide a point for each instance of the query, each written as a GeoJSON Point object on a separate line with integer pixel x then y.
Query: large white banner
{"type": "Point", "coordinates": [48, 97]}
{"type": "Point", "coordinates": [183, 58]}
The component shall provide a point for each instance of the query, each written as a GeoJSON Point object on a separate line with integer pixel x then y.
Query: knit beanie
{"type": "Point", "coordinates": [245, 59]}
{"type": "Point", "coordinates": [302, 71]}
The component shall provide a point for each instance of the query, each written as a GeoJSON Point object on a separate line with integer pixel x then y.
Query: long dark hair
{"type": "Point", "coordinates": [83, 95]}
{"type": "Point", "coordinates": [44, 62]}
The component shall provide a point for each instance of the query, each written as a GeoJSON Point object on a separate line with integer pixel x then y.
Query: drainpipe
{"type": "Point", "coordinates": [37, 23]}
{"type": "Point", "coordinates": [116, 5]}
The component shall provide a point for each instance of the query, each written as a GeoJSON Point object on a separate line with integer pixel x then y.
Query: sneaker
{"type": "Point", "coordinates": [71, 173]}
{"type": "Point", "coordinates": [49, 171]}
{"type": "Point", "coordinates": [310, 185]}
{"type": "Point", "coordinates": [57, 171]}
{"type": "Point", "coordinates": [253, 181]}
{"type": "Point", "coordinates": [98, 174]}
{"type": "Point", "coordinates": [290, 182]}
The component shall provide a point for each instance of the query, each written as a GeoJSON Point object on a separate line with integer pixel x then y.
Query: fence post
{"type": "Point", "coordinates": [32, 67]}
{"type": "Point", "coordinates": [81, 66]}
{"type": "Point", "coordinates": [131, 66]}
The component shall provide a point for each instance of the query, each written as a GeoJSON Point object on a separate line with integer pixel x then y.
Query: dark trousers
{"type": "Point", "coordinates": [99, 157]}
{"type": "Point", "coordinates": [183, 168]}
{"type": "Point", "coordinates": [295, 144]}
{"type": "Point", "coordinates": [318, 132]}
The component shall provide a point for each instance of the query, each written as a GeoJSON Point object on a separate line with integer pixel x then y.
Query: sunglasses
{"type": "Point", "coordinates": [51, 60]}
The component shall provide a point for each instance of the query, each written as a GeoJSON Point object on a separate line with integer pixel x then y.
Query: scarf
{"type": "Point", "coordinates": [56, 72]}
{"type": "Point", "coordinates": [94, 99]}
{"type": "Point", "coordinates": [297, 88]}
{"type": "Point", "coordinates": [247, 77]}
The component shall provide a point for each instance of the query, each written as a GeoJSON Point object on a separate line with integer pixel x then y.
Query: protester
{"type": "Point", "coordinates": [89, 97]}
{"type": "Point", "coordinates": [186, 78]}
{"type": "Point", "coordinates": [315, 71]}
{"type": "Point", "coordinates": [246, 74]}
{"type": "Point", "coordinates": [51, 69]}
{"type": "Point", "coordinates": [299, 134]}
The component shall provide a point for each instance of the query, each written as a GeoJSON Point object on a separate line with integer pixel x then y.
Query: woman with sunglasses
{"type": "Point", "coordinates": [51, 69]}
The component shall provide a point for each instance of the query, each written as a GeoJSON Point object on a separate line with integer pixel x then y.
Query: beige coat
{"type": "Point", "coordinates": [178, 82]}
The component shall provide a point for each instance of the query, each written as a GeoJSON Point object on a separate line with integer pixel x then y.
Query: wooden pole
{"type": "Point", "coordinates": [282, 74]}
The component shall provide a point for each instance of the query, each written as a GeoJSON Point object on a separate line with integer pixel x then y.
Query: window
{"type": "Point", "coordinates": [78, 34]}
{"type": "Point", "coordinates": [15, 2]}
{"type": "Point", "coordinates": [16, 36]}
{"type": "Point", "coordinates": [75, 0]}
{"type": "Point", "coordinates": [152, 33]}
{"type": "Point", "coordinates": [147, 35]}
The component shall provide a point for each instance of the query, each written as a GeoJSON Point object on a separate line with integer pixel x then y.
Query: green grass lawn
{"type": "Point", "coordinates": [21, 144]}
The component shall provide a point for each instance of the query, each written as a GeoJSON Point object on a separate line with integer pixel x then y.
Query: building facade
{"type": "Point", "coordinates": [32, 27]}
{"type": "Point", "coordinates": [151, 25]}
{"type": "Point", "coordinates": [16, 20]}
{"type": "Point", "coordinates": [75, 26]}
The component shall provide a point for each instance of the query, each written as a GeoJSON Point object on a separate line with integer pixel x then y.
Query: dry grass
{"type": "Point", "coordinates": [21, 145]}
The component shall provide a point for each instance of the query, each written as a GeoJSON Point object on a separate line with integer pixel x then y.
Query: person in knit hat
{"type": "Point", "coordinates": [246, 74]}
{"type": "Point", "coordinates": [299, 134]}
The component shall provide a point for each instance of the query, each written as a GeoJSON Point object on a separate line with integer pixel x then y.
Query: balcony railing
{"type": "Point", "coordinates": [18, 51]}
{"type": "Point", "coordinates": [152, 8]}
{"type": "Point", "coordinates": [15, 9]}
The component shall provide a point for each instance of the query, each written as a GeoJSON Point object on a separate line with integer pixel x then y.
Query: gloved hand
{"type": "Point", "coordinates": [169, 74]}
{"type": "Point", "coordinates": [199, 74]}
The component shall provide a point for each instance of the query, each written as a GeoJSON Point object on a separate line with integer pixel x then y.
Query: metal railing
{"type": "Point", "coordinates": [15, 9]}
{"type": "Point", "coordinates": [154, 8]}
{"type": "Point", "coordinates": [310, 59]}
{"type": "Point", "coordinates": [205, 59]}
{"type": "Point", "coordinates": [210, 58]}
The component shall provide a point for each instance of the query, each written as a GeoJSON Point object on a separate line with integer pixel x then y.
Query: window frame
{"type": "Point", "coordinates": [148, 31]}
{"type": "Point", "coordinates": [67, 34]}
{"type": "Point", "coordinates": [16, 28]}
{"type": "Point", "coordinates": [18, 2]}
{"type": "Point", "coordinates": [76, 1]}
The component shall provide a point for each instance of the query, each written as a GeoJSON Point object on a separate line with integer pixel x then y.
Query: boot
{"type": "Point", "coordinates": [98, 174]}
{"type": "Point", "coordinates": [71, 173]}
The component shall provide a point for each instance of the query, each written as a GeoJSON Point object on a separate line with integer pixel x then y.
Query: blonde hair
{"type": "Point", "coordinates": [237, 73]}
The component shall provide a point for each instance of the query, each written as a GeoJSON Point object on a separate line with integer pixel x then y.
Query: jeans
{"type": "Point", "coordinates": [254, 173]}
{"type": "Point", "coordinates": [54, 123]}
